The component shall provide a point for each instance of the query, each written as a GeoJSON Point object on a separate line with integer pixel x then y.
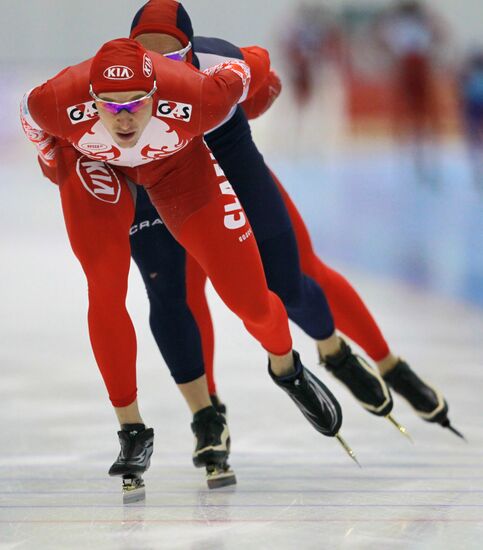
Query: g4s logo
{"type": "Point", "coordinates": [172, 109]}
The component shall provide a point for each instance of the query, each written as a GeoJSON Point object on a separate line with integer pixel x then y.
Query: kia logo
{"type": "Point", "coordinates": [118, 72]}
{"type": "Point", "coordinates": [99, 179]}
{"type": "Point", "coordinates": [147, 66]}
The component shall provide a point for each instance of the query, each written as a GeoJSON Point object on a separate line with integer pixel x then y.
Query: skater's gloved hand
{"type": "Point", "coordinates": [263, 99]}
{"type": "Point", "coordinates": [237, 66]}
{"type": "Point", "coordinates": [46, 145]}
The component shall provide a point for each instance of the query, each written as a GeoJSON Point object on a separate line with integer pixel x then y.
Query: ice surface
{"type": "Point", "coordinates": [296, 489]}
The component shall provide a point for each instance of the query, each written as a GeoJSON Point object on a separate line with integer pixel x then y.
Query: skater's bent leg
{"type": "Point", "coordinates": [179, 316]}
{"type": "Point", "coordinates": [162, 264]}
{"type": "Point", "coordinates": [212, 226]}
{"type": "Point", "coordinates": [245, 168]}
{"type": "Point", "coordinates": [233, 264]}
{"type": "Point", "coordinates": [99, 235]}
{"type": "Point", "coordinates": [350, 313]}
{"type": "Point", "coordinates": [302, 297]}
{"type": "Point", "coordinates": [196, 299]}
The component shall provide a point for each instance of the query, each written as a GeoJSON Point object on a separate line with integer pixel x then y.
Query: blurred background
{"type": "Point", "coordinates": [377, 134]}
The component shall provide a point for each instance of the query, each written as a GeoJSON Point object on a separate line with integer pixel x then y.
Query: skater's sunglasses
{"type": "Point", "coordinates": [115, 108]}
{"type": "Point", "coordinates": [179, 54]}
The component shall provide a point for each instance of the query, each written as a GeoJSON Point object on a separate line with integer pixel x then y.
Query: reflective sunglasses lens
{"type": "Point", "coordinates": [135, 106]}
{"type": "Point", "coordinates": [112, 108]}
{"type": "Point", "coordinates": [175, 56]}
{"type": "Point", "coordinates": [178, 55]}
{"type": "Point", "coordinates": [116, 108]}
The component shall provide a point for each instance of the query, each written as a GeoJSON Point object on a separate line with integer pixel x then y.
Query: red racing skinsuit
{"type": "Point", "coordinates": [351, 315]}
{"type": "Point", "coordinates": [184, 183]}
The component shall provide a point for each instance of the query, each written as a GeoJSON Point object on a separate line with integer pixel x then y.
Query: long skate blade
{"type": "Point", "coordinates": [133, 490]}
{"type": "Point", "coordinates": [217, 477]}
{"type": "Point", "coordinates": [347, 449]}
{"type": "Point", "coordinates": [133, 496]}
{"type": "Point", "coordinates": [456, 432]}
{"type": "Point", "coordinates": [400, 427]}
{"type": "Point", "coordinates": [221, 481]}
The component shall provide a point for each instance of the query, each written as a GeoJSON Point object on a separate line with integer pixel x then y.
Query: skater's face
{"type": "Point", "coordinates": [125, 115]}
{"type": "Point", "coordinates": [164, 44]}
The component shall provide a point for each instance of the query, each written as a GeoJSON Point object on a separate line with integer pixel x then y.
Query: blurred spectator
{"type": "Point", "coordinates": [413, 37]}
{"type": "Point", "coordinates": [471, 92]}
{"type": "Point", "coordinates": [312, 37]}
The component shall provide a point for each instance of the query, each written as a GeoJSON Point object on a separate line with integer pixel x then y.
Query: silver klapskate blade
{"type": "Point", "coordinates": [130, 496]}
{"type": "Point", "coordinates": [347, 449]}
{"type": "Point", "coordinates": [400, 427]}
{"type": "Point", "coordinates": [133, 490]}
{"type": "Point", "coordinates": [216, 480]}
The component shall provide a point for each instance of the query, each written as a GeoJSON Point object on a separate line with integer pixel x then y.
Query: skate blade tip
{"type": "Point", "coordinates": [400, 427]}
{"type": "Point", "coordinates": [354, 458]}
{"type": "Point", "coordinates": [347, 449]}
{"type": "Point", "coordinates": [456, 432]}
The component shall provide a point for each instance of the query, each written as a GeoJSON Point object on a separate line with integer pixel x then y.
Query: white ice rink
{"type": "Point", "coordinates": [296, 489]}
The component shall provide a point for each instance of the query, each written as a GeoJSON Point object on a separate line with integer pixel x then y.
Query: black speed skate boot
{"type": "Point", "coordinates": [212, 447]}
{"type": "Point", "coordinates": [364, 382]}
{"type": "Point", "coordinates": [134, 459]}
{"type": "Point", "coordinates": [427, 401]}
{"type": "Point", "coordinates": [314, 400]}
{"type": "Point", "coordinates": [219, 406]}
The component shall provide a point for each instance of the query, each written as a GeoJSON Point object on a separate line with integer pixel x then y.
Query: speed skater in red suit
{"type": "Point", "coordinates": [100, 127]}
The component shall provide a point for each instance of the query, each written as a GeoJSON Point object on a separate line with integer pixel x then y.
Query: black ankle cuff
{"type": "Point", "coordinates": [392, 375]}
{"type": "Point", "coordinates": [207, 412]}
{"type": "Point", "coordinates": [133, 427]}
{"type": "Point", "coordinates": [339, 358]}
{"type": "Point", "coordinates": [298, 367]}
